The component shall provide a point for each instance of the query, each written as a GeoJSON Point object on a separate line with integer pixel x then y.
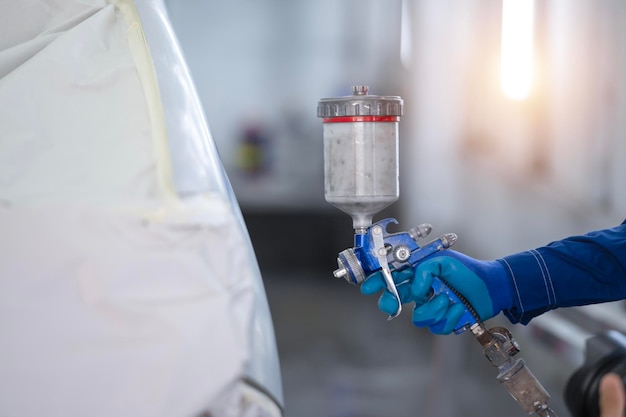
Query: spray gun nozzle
{"type": "Point", "coordinates": [340, 273]}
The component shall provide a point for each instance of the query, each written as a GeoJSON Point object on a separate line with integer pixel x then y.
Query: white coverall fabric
{"type": "Point", "coordinates": [118, 297]}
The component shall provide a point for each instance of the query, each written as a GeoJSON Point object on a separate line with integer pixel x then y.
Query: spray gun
{"type": "Point", "coordinates": [361, 173]}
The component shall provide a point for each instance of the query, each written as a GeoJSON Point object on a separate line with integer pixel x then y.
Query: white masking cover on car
{"type": "Point", "coordinates": [126, 288]}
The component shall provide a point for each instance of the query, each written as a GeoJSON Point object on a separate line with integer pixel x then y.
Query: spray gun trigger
{"type": "Point", "coordinates": [380, 251]}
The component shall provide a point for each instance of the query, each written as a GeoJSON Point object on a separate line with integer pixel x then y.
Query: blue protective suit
{"type": "Point", "coordinates": [575, 271]}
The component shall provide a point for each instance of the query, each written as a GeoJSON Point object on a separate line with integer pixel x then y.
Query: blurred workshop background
{"type": "Point", "coordinates": [513, 136]}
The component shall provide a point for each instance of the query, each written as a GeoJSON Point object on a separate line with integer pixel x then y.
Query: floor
{"type": "Point", "coordinates": [340, 357]}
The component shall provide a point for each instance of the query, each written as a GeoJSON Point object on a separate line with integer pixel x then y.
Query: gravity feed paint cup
{"type": "Point", "coordinates": [361, 153]}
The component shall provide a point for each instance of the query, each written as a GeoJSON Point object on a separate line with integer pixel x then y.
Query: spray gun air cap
{"type": "Point", "coordinates": [361, 153]}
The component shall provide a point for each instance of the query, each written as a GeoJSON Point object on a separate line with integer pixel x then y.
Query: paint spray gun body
{"type": "Point", "coordinates": [377, 250]}
{"type": "Point", "coordinates": [361, 174]}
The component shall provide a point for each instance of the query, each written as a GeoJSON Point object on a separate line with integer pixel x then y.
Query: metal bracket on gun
{"type": "Point", "coordinates": [381, 255]}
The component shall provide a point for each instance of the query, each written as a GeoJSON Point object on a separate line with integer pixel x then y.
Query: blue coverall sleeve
{"type": "Point", "coordinates": [575, 271]}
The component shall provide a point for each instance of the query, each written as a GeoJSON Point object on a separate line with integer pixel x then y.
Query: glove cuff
{"type": "Point", "coordinates": [498, 283]}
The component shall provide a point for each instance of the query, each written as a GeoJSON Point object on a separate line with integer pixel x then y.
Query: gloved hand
{"type": "Point", "coordinates": [484, 284]}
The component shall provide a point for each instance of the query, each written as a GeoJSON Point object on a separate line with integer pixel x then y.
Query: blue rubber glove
{"type": "Point", "coordinates": [484, 284]}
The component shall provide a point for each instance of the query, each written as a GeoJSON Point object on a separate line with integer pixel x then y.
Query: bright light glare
{"type": "Point", "coordinates": [516, 55]}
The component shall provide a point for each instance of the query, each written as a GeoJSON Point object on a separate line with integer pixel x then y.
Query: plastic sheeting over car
{"type": "Point", "coordinates": [128, 284]}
